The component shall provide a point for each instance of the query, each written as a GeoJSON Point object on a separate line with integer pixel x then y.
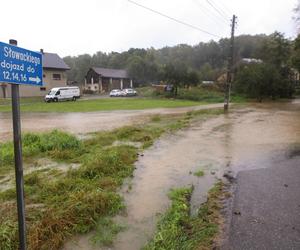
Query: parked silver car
{"type": "Point", "coordinates": [129, 92]}
{"type": "Point", "coordinates": [116, 93]}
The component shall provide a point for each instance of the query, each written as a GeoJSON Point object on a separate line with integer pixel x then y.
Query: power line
{"type": "Point", "coordinates": [217, 10]}
{"type": "Point", "coordinates": [207, 11]}
{"type": "Point", "coordinates": [227, 10]}
{"type": "Point", "coordinates": [221, 8]}
{"type": "Point", "coordinates": [174, 19]}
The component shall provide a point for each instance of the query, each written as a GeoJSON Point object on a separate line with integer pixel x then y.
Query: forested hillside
{"type": "Point", "coordinates": [146, 65]}
{"type": "Point", "coordinates": [184, 65]}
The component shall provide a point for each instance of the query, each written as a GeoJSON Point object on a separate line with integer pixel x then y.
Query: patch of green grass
{"type": "Point", "coordinates": [73, 202]}
{"type": "Point", "coordinates": [208, 94]}
{"type": "Point", "coordinates": [178, 230]}
{"type": "Point", "coordinates": [199, 173]}
{"type": "Point", "coordinates": [23, 100]}
{"type": "Point", "coordinates": [56, 144]}
{"type": "Point", "coordinates": [145, 134]}
{"type": "Point", "coordinates": [8, 232]}
{"type": "Point", "coordinates": [106, 231]}
{"type": "Point", "coordinates": [102, 105]}
{"type": "Point", "coordinates": [201, 94]}
{"type": "Point", "coordinates": [237, 98]}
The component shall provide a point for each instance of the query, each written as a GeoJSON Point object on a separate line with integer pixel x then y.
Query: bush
{"type": "Point", "coordinates": [263, 81]}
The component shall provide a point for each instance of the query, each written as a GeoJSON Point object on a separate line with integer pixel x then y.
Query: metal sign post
{"type": "Point", "coordinates": [18, 160]}
{"type": "Point", "coordinates": [19, 66]}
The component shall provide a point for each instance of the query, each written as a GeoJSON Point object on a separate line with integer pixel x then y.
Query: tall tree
{"type": "Point", "coordinates": [296, 54]}
{"type": "Point", "coordinates": [176, 74]}
{"type": "Point", "coordinates": [276, 50]}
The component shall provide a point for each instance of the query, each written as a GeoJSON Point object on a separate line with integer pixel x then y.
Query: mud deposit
{"type": "Point", "coordinates": [247, 138]}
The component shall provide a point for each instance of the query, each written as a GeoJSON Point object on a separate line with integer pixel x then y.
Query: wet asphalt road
{"type": "Point", "coordinates": [266, 208]}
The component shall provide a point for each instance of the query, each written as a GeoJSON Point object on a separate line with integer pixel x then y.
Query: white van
{"type": "Point", "coordinates": [63, 93]}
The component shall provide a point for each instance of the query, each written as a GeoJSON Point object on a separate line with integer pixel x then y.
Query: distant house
{"type": "Point", "coordinates": [101, 80]}
{"type": "Point", "coordinates": [250, 60]}
{"type": "Point", "coordinates": [54, 75]}
{"type": "Point", "coordinates": [208, 82]}
{"type": "Point", "coordinates": [242, 62]}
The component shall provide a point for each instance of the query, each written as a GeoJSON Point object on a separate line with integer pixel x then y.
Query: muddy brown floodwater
{"type": "Point", "coordinates": [252, 137]}
{"type": "Point", "coordinates": [78, 123]}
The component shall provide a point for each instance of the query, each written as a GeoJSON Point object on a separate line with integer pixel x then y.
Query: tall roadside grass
{"type": "Point", "coordinates": [61, 204]}
{"type": "Point", "coordinates": [205, 94]}
{"type": "Point", "coordinates": [72, 201]}
{"type": "Point", "coordinates": [56, 144]}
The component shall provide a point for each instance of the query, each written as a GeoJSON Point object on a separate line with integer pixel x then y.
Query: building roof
{"type": "Point", "coordinates": [251, 60]}
{"type": "Point", "coordinates": [53, 61]}
{"type": "Point", "coordinates": [113, 73]}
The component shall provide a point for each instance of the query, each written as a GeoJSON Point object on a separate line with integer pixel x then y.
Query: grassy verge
{"type": "Point", "coordinates": [208, 94]}
{"type": "Point", "coordinates": [104, 104]}
{"type": "Point", "coordinates": [178, 230]}
{"type": "Point", "coordinates": [63, 202]}
{"type": "Point", "coordinates": [23, 100]}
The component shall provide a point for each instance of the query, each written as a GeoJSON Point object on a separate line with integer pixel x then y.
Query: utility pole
{"type": "Point", "coordinates": [230, 65]}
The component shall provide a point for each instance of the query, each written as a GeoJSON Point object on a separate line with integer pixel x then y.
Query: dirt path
{"type": "Point", "coordinates": [249, 138]}
{"type": "Point", "coordinates": [84, 122]}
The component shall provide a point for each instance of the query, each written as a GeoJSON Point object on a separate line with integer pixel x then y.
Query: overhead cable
{"type": "Point", "coordinates": [174, 19]}
{"type": "Point", "coordinates": [211, 14]}
{"type": "Point", "coordinates": [217, 10]}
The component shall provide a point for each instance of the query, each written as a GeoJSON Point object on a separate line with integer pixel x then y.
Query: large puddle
{"type": "Point", "coordinates": [251, 137]}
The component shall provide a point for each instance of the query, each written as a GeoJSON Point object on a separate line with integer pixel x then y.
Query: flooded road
{"type": "Point", "coordinates": [78, 123]}
{"type": "Point", "coordinates": [252, 137]}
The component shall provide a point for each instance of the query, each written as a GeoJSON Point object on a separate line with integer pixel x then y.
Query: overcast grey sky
{"type": "Point", "coordinates": [72, 27]}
